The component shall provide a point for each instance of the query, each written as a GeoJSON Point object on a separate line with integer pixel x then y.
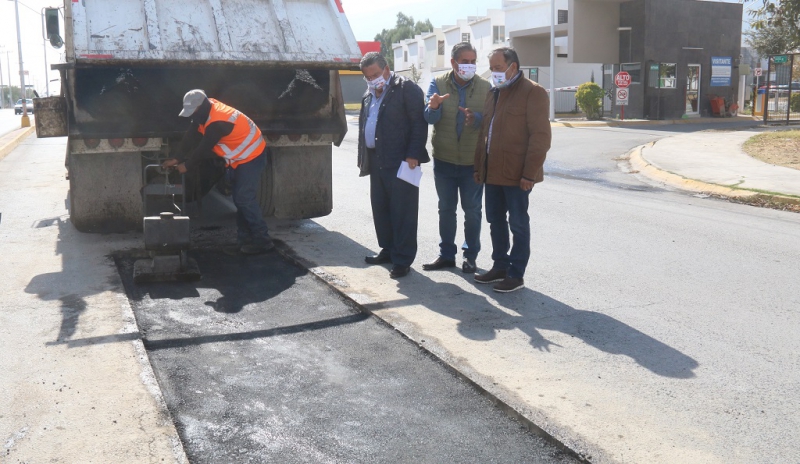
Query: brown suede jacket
{"type": "Point", "coordinates": [520, 134]}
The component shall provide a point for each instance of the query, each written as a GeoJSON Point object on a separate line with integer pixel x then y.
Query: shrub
{"type": "Point", "coordinates": [794, 106]}
{"type": "Point", "coordinates": [590, 100]}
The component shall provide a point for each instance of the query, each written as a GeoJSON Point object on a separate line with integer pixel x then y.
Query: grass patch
{"type": "Point", "coordinates": [352, 106]}
{"type": "Point", "coordinates": [781, 148]}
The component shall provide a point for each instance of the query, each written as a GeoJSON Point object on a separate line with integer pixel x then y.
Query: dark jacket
{"type": "Point", "coordinates": [520, 134]}
{"type": "Point", "coordinates": [401, 131]}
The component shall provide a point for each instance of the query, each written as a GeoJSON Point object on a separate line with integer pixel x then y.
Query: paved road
{"type": "Point", "coordinates": [262, 362]}
{"type": "Point", "coordinates": [9, 121]}
{"type": "Point", "coordinates": [656, 326]}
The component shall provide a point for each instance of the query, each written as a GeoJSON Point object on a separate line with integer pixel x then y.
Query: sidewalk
{"type": "Point", "coordinates": [715, 162]}
{"type": "Point", "coordinates": [77, 384]}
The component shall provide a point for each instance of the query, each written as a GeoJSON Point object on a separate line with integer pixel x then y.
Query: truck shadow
{"type": "Point", "coordinates": [480, 316]}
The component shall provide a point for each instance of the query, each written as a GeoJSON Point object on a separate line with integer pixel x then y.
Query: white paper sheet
{"type": "Point", "coordinates": [412, 176]}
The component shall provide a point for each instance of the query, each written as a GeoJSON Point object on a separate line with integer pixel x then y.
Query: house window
{"type": "Point", "coordinates": [562, 55]}
{"type": "Point", "coordinates": [498, 34]}
{"type": "Point", "coordinates": [634, 69]}
{"type": "Point", "coordinates": [441, 48]}
{"type": "Point", "coordinates": [405, 55]}
{"type": "Point", "coordinates": [465, 36]}
{"type": "Point", "coordinates": [563, 16]}
{"type": "Point", "coordinates": [663, 75]}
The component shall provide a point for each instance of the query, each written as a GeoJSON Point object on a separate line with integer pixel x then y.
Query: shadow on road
{"type": "Point", "coordinates": [479, 317]}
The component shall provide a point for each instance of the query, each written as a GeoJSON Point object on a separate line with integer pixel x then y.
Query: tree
{"type": "Point", "coordinates": [770, 39]}
{"type": "Point", "coordinates": [405, 28]}
{"type": "Point", "coordinates": [782, 14]}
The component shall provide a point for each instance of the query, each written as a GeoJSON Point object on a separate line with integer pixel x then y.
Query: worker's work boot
{"type": "Point", "coordinates": [256, 248]}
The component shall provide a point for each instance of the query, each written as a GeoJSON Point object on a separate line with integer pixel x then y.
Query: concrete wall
{"type": "Point", "coordinates": [593, 33]}
{"type": "Point", "coordinates": [532, 51]}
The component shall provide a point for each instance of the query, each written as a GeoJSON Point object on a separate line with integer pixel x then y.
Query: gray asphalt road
{"type": "Point", "coordinates": [9, 121]}
{"type": "Point", "coordinates": [656, 326]}
{"type": "Point", "coordinates": [261, 362]}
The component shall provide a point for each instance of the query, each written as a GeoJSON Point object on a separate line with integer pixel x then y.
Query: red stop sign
{"type": "Point", "coordinates": [622, 79]}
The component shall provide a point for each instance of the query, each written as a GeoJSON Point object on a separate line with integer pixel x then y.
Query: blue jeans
{"type": "Point", "coordinates": [452, 180]}
{"type": "Point", "coordinates": [395, 211]}
{"type": "Point", "coordinates": [245, 180]}
{"type": "Point", "coordinates": [512, 201]}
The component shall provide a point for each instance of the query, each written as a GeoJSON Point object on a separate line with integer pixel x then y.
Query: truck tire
{"type": "Point", "coordinates": [104, 191]}
{"type": "Point", "coordinates": [298, 182]}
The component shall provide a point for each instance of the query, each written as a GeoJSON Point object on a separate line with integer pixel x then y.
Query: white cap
{"type": "Point", "coordinates": [191, 101]}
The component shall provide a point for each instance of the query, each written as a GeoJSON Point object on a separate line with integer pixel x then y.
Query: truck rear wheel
{"type": "Point", "coordinates": [104, 191]}
{"type": "Point", "coordinates": [298, 182]}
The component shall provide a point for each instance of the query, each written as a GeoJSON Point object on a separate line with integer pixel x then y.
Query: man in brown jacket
{"type": "Point", "coordinates": [509, 159]}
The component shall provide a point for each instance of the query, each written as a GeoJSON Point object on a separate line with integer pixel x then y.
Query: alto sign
{"type": "Point", "coordinates": [622, 79]}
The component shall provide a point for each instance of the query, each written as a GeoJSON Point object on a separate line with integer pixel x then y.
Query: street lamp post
{"type": "Point", "coordinates": [26, 121]}
{"type": "Point", "coordinates": [2, 96]}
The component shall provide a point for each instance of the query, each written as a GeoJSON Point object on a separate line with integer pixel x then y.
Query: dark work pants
{"type": "Point", "coordinates": [395, 211]}
{"type": "Point", "coordinates": [250, 223]}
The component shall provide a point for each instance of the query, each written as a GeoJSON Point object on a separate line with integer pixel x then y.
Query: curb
{"type": "Point", "coordinates": [668, 122]}
{"type": "Point", "coordinates": [640, 164]}
{"type": "Point", "coordinates": [11, 140]}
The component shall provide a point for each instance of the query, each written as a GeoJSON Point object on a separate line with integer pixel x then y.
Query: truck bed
{"type": "Point", "coordinates": [288, 33]}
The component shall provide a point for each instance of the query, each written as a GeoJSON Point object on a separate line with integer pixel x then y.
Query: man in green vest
{"type": "Point", "coordinates": [455, 108]}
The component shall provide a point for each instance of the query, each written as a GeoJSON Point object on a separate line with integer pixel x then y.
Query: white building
{"type": "Point", "coordinates": [524, 25]}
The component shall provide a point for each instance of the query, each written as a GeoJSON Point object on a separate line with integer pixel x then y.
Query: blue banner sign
{"type": "Point", "coordinates": [721, 71]}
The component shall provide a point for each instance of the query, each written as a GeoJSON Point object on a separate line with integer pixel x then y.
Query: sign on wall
{"type": "Point", "coordinates": [721, 70]}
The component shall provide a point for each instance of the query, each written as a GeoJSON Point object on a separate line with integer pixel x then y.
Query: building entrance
{"type": "Point", "coordinates": [693, 90]}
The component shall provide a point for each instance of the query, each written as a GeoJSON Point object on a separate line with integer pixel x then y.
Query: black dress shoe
{"type": "Point", "coordinates": [381, 258]}
{"type": "Point", "coordinates": [468, 266]}
{"type": "Point", "coordinates": [399, 271]}
{"type": "Point", "coordinates": [440, 263]}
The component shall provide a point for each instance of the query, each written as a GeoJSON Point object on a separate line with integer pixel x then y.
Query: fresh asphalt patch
{"type": "Point", "coordinates": [261, 362]}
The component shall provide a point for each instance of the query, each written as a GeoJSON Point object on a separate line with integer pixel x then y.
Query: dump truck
{"type": "Point", "coordinates": [128, 64]}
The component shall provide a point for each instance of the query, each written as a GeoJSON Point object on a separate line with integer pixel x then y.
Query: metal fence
{"type": "Point", "coordinates": [565, 100]}
{"type": "Point", "coordinates": [781, 91]}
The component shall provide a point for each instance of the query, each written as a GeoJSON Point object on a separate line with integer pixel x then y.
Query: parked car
{"type": "Point", "coordinates": [18, 106]}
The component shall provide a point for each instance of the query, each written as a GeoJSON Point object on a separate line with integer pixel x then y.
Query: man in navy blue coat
{"type": "Point", "coordinates": [392, 130]}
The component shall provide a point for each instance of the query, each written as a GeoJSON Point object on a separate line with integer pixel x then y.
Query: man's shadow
{"type": "Point", "coordinates": [527, 310]}
{"type": "Point", "coordinates": [69, 286]}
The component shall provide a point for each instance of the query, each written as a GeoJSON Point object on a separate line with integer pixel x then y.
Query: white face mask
{"type": "Point", "coordinates": [377, 83]}
{"type": "Point", "coordinates": [466, 71]}
{"type": "Point", "coordinates": [499, 79]}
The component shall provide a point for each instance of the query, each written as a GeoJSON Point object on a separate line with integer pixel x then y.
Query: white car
{"type": "Point", "coordinates": [18, 106]}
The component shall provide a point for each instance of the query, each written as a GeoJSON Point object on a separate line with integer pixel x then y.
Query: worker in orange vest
{"type": "Point", "coordinates": [220, 130]}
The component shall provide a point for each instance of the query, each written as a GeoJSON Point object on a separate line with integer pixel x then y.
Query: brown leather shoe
{"type": "Point", "coordinates": [492, 275]}
{"type": "Point", "coordinates": [509, 284]}
{"type": "Point", "coordinates": [440, 263]}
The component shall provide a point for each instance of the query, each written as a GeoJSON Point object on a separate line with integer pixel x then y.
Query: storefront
{"type": "Point", "coordinates": [682, 56]}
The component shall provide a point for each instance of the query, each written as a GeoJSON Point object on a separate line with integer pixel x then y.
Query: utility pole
{"type": "Point", "coordinates": [26, 121]}
{"type": "Point", "coordinates": [44, 45]}
{"type": "Point", "coordinates": [552, 60]}
{"type": "Point", "coordinates": [2, 95]}
{"type": "Point", "coordinates": [8, 62]}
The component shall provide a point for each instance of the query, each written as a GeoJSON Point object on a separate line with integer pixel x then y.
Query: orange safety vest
{"type": "Point", "coordinates": [244, 143]}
